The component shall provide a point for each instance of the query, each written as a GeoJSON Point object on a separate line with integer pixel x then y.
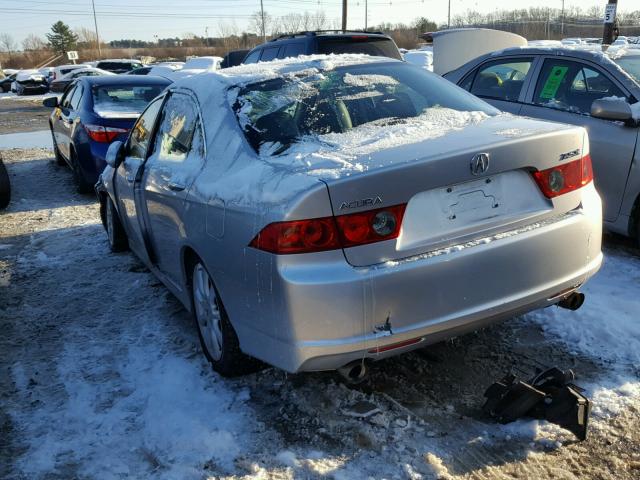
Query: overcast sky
{"type": "Point", "coordinates": [142, 19]}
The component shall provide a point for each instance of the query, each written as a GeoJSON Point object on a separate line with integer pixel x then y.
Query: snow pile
{"type": "Point", "coordinates": [594, 330]}
{"type": "Point", "coordinates": [37, 139]}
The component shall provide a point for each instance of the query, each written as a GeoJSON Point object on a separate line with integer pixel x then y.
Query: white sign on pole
{"type": "Point", "coordinates": [72, 55]}
{"type": "Point", "coordinates": [610, 13]}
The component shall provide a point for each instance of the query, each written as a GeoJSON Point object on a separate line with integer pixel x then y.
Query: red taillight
{"type": "Point", "coordinates": [330, 233]}
{"type": "Point", "coordinates": [369, 227]}
{"type": "Point", "coordinates": [102, 134]}
{"type": "Point", "coordinates": [565, 178]}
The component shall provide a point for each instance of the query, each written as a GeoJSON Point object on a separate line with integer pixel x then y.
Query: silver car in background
{"type": "Point", "coordinates": [321, 211]}
{"type": "Point", "coordinates": [598, 91]}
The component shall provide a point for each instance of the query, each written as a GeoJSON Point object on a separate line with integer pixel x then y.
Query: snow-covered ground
{"type": "Point", "coordinates": [102, 375]}
{"type": "Point", "coordinates": [10, 96]}
{"type": "Point", "coordinates": [37, 139]}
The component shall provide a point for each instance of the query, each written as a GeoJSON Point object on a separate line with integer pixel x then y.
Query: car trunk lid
{"type": "Point", "coordinates": [449, 198]}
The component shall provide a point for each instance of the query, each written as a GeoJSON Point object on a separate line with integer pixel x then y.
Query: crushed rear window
{"type": "Point", "coordinates": [282, 111]}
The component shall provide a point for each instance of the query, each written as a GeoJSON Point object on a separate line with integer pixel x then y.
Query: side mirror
{"type": "Point", "coordinates": [612, 108]}
{"type": "Point", "coordinates": [115, 154]}
{"type": "Point", "coordinates": [51, 102]}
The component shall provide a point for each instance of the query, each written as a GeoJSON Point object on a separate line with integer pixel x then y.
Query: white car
{"type": "Point", "coordinates": [61, 70]}
{"type": "Point", "coordinates": [195, 66]}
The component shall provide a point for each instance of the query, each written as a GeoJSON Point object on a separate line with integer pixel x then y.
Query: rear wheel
{"type": "Point", "coordinates": [82, 185]}
{"type": "Point", "coordinates": [115, 231]}
{"type": "Point", "coordinates": [5, 186]}
{"type": "Point", "coordinates": [59, 160]}
{"type": "Point", "coordinates": [217, 337]}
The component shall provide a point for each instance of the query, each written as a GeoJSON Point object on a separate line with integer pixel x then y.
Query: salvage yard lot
{"type": "Point", "coordinates": [102, 375]}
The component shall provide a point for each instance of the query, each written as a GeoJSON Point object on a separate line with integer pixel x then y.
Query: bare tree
{"type": "Point", "coordinates": [271, 25]}
{"type": "Point", "coordinates": [230, 34]}
{"type": "Point", "coordinates": [320, 21]}
{"type": "Point", "coordinates": [7, 44]}
{"type": "Point", "coordinates": [86, 36]}
{"type": "Point", "coordinates": [33, 43]}
{"type": "Point", "coordinates": [291, 22]}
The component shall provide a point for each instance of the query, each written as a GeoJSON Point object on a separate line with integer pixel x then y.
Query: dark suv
{"type": "Point", "coordinates": [309, 43]}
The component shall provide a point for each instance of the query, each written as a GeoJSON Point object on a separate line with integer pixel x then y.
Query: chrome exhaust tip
{"type": "Point", "coordinates": [573, 302]}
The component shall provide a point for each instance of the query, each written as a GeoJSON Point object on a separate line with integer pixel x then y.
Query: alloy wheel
{"type": "Point", "coordinates": [207, 312]}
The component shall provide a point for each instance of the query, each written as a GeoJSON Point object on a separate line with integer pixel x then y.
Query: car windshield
{"type": "Point", "coordinates": [124, 98]}
{"type": "Point", "coordinates": [283, 110]}
{"type": "Point", "coordinates": [631, 65]}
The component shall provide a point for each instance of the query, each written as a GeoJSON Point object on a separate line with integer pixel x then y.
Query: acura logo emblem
{"type": "Point", "coordinates": [479, 163]}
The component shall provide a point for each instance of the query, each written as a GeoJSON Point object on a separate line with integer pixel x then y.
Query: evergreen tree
{"type": "Point", "coordinates": [61, 38]}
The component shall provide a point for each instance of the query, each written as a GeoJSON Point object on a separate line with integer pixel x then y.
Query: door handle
{"type": "Point", "coordinates": [176, 187]}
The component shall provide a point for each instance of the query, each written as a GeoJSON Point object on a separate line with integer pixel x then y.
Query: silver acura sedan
{"type": "Point", "coordinates": [321, 211]}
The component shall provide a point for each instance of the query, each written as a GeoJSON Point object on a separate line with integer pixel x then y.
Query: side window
{"type": "Point", "coordinates": [269, 54]}
{"type": "Point", "coordinates": [179, 144]}
{"type": "Point", "coordinates": [142, 130]}
{"type": "Point", "coordinates": [66, 98]}
{"type": "Point", "coordinates": [74, 102]}
{"type": "Point", "coordinates": [253, 57]}
{"type": "Point", "coordinates": [292, 50]}
{"type": "Point", "coordinates": [501, 79]}
{"type": "Point", "coordinates": [467, 81]}
{"type": "Point", "coordinates": [572, 86]}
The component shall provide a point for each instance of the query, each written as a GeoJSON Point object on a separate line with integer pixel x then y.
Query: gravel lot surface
{"type": "Point", "coordinates": [102, 376]}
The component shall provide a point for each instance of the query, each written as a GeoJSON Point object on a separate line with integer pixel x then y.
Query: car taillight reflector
{"type": "Point", "coordinates": [102, 134]}
{"type": "Point", "coordinates": [393, 346]}
{"type": "Point", "coordinates": [565, 178]}
{"type": "Point", "coordinates": [330, 233]}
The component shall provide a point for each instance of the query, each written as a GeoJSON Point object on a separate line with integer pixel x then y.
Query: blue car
{"type": "Point", "coordinates": [92, 113]}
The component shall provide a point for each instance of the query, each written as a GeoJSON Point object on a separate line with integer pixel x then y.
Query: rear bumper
{"type": "Point", "coordinates": [325, 314]}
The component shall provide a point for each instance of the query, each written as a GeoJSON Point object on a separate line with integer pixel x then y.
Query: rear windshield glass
{"type": "Point", "coordinates": [376, 46]}
{"type": "Point", "coordinates": [284, 110]}
{"type": "Point", "coordinates": [630, 64]}
{"type": "Point", "coordinates": [123, 98]}
{"type": "Point", "coordinates": [118, 65]}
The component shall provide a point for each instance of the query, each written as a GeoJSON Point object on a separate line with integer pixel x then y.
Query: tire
{"type": "Point", "coordinates": [58, 156]}
{"type": "Point", "coordinates": [81, 184]}
{"type": "Point", "coordinates": [217, 336]}
{"type": "Point", "coordinates": [5, 186]}
{"type": "Point", "coordinates": [116, 235]}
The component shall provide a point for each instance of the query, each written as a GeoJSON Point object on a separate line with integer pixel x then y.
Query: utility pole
{"type": "Point", "coordinates": [449, 16]}
{"type": "Point", "coordinates": [264, 31]}
{"type": "Point", "coordinates": [562, 21]}
{"type": "Point", "coordinates": [366, 15]}
{"type": "Point", "coordinates": [206, 36]}
{"type": "Point", "coordinates": [609, 22]}
{"type": "Point", "coordinates": [95, 22]}
{"type": "Point", "coordinates": [344, 15]}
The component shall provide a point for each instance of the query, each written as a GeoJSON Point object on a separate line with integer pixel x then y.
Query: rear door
{"type": "Point", "coordinates": [564, 92]}
{"type": "Point", "coordinates": [177, 158]}
{"type": "Point", "coordinates": [502, 82]}
{"type": "Point", "coordinates": [66, 115]}
{"type": "Point", "coordinates": [136, 151]}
